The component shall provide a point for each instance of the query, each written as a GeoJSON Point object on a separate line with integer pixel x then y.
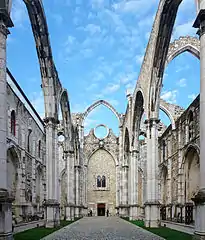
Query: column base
{"type": "Point", "coordinates": [152, 214]}
{"type": "Point", "coordinates": [134, 212]}
{"type": "Point", "coordinates": [5, 215]}
{"type": "Point", "coordinates": [8, 236]}
{"type": "Point", "coordinates": [124, 210]}
{"type": "Point", "coordinates": [68, 213]}
{"type": "Point", "coordinates": [77, 212]}
{"type": "Point", "coordinates": [52, 213]}
{"type": "Point", "coordinates": [199, 201]}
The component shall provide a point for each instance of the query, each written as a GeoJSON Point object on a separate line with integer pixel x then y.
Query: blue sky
{"type": "Point", "coordinates": [98, 48]}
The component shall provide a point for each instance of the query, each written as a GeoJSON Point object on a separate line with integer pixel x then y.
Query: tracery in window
{"type": "Point", "coordinates": [99, 183]}
{"type": "Point", "coordinates": [103, 181]}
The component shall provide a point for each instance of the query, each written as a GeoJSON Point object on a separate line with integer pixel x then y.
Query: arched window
{"type": "Point", "coordinates": [103, 181]}
{"type": "Point", "coordinates": [99, 181]}
{"type": "Point", "coordinates": [39, 148]}
{"type": "Point", "coordinates": [13, 123]}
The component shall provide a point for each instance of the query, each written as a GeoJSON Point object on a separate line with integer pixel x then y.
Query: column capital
{"type": "Point", "coordinates": [200, 22]}
{"type": "Point", "coordinates": [51, 120]}
{"type": "Point", "coordinates": [5, 18]}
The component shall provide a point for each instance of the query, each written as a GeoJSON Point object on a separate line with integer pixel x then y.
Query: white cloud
{"type": "Point", "coordinates": [92, 86]}
{"type": "Point", "coordinates": [18, 13]}
{"type": "Point", "coordinates": [182, 82]}
{"type": "Point", "coordinates": [139, 59]}
{"type": "Point", "coordinates": [111, 88]}
{"type": "Point", "coordinates": [113, 102]}
{"type": "Point", "coordinates": [37, 100]}
{"type": "Point", "coordinates": [184, 29]}
{"type": "Point", "coordinates": [57, 18]}
{"type": "Point", "coordinates": [134, 6]}
{"type": "Point", "coordinates": [92, 29]}
{"type": "Point", "coordinates": [192, 96]}
{"type": "Point", "coordinates": [170, 96]}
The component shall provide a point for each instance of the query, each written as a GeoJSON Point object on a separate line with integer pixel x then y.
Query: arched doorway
{"type": "Point", "coordinates": [191, 182]}
{"type": "Point", "coordinates": [101, 183]}
{"type": "Point", "coordinates": [13, 178]}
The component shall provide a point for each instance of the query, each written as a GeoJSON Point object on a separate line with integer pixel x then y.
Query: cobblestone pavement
{"type": "Point", "coordinates": [102, 228]}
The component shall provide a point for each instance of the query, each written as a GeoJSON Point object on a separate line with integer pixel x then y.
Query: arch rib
{"type": "Point", "coordinates": [183, 44]}
{"type": "Point", "coordinates": [98, 103]}
{"type": "Point", "coordinates": [50, 82]}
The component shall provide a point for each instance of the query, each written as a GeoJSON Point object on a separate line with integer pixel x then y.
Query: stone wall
{"type": "Point", "coordinates": [25, 154]}
{"type": "Point", "coordinates": [101, 163]}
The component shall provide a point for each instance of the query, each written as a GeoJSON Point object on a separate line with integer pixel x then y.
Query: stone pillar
{"type": "Point", "coordinates": [134, 179]}
{"type": "Point", "coordinates": [200, 197]}
{"type": "Point", "coordinates": [77, 187]}
{"type": "Point", "coordinates": [120, 170]}
{"type": "Point", "coordinates": [117, 187]}
{"type": "Point", "coordinates": [52, 175]}
{"type": "Point", "coordinates": [5, 195]}
{"type": "Point", "coordinates": [70, 186]}
{"type": "Point", "coordinates": [152, 215]}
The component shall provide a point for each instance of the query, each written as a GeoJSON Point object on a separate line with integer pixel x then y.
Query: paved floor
{"type": "Point", "coordinates": [102, 228]}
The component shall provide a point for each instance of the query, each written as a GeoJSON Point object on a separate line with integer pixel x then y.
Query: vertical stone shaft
{"type": "Point", "coordinates": [199, 199]}
{"type": "Point", "coordinates": [5, 198]}
{"type": "Point", "coordinates": [121, 168]}
{"type": "Point", "coordinates": [117, 185]}
{"type": "Point", "coordinates": [152, 204]}
{"type": "Point", "coordinates": [52, 174]}
{"type": "Point", "coordinates": [3, 106]}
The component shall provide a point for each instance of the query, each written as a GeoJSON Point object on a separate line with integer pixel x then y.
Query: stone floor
{"type": "Point", "coordinates": [102, 228]}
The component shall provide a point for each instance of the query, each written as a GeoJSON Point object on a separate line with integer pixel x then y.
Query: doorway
{"type": "Point", "coordinates": [101, 209]}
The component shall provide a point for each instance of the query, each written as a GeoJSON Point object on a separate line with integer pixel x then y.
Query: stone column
{"type": "Point", "coordinates": [120, 170]}
{"type": "Point", "coordinates": [70, 185]}
{"type": "Point", "coordinates": [152, 215]}
{"type": "Point", "coordinates": [200, 197]}
{"type": "Point", "coordinates": [52, 175]}
{"type": "Point", "coordinates": [134, 179]}
{"type": "Point", "coordinates": [117, 187]}
{"type": "Point", "coordinates": [77, 186]}
{"type": "Point", "coordinates": [5, 195]}
{"type": "Point", "coordinates": [85, 188]}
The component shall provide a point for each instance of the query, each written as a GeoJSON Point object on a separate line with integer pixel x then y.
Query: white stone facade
{"type": "Point", "coordinates": [26, 176]}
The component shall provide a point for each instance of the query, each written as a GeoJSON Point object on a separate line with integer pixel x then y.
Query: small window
{"type": "Point", "coordinates": [191, 125]}
{"type": "Point", "coordinates": [13, 123]}
{"type": "Point", "coordinates": [99, 181]}
{"type": "Point", "coordinates": [103, 181]}
{"type": "Point", "coordinates": [39, 148]}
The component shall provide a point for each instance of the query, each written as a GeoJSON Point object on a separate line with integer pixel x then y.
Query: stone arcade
{"type": "Point", "coordinates": [59, 170]}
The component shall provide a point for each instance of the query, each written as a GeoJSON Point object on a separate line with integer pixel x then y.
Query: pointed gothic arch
{"type": "Point", "coordinates": [181, 45]}
{"type": "Point", "coordinates": [95, 105]}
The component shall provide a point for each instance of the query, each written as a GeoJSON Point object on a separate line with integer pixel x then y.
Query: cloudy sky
{"type": "Point", "coordinates": [98, 48]}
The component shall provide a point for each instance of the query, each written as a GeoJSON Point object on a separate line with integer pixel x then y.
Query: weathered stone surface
{"type": "Point", "coordinates": [102, 228]}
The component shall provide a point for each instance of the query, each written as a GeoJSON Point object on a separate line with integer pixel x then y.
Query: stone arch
{"type": "Point", "coordinates": [50, 82]}
{"type": "Point", "coordinates": [101, 163]}
{"type": "Point", "coordinates": [90, 155]}
{"type": "Point", "coordinates": [14, 170]}
{"type": "Point", "coordinates": [66, 114]}
{"type": "Point", "coordinates": [155, 59]}
{"type": "Point", "coordinates": [137, 116]}
{"type": "Point", "coordinates": [98, 103]}
{"type": "Point", "coordinates": [181, 45]}
{"type": "Point", "coordinates": [163, 185]}
{"type": "Point", "coordinates": [168, 113]}
{"type": "Point", "coordinates": [191, 169]}
{"type": "Point", "coordinates": [126, 144]}
{"type": "Point", "coordinates": [39, 186]}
